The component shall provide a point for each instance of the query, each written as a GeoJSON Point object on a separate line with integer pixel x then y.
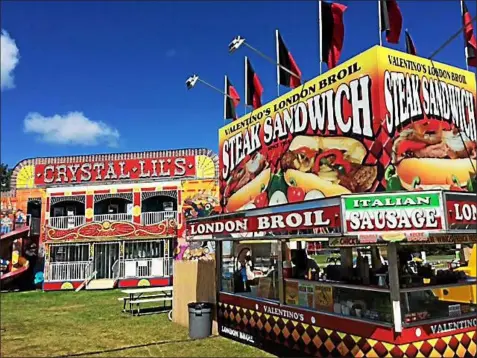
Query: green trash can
{"type": "Point", "coordinates": [200, 319]}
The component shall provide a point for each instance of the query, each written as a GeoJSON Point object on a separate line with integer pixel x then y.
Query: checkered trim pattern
{"type": "Point", "coordinates": [322, 342]}
{"type": "Point", "coordinates": [380, 154]}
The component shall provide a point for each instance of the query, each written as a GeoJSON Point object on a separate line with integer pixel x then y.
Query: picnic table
{"type": "Point", "coordinates": [137, 296]}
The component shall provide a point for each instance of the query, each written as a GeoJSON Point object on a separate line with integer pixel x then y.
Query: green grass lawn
{"type": "Point", "coordinates": [90, 323]}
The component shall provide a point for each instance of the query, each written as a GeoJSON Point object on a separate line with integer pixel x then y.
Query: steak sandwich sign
{"type": "Point", "coordinates": [381, 121]}
{"type": "Point", "coordinates": [393, 217]}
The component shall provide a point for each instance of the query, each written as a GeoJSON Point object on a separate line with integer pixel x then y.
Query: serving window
{"type": "Point", "coordinates": [349, 282]}
{"type": "Point", "coordinates": [437, 304]}
{"type": "Point", "coordinates": [250, 269]}
{"type": "Point", "coordinates": [353, 282]}
{"type": "Point", "coordinates": [340, 300]}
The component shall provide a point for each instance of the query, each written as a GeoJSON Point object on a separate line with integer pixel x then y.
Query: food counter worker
{"type": "Point", "coordinates": [305, 267]}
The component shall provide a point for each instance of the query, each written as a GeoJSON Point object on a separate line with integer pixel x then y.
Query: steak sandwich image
{"type": "Point", "coordinates": [311, 167]}
{"type": "Point", "coordinates": [434, 154]}
{"type": "Point", "coordinates": [327, 166]}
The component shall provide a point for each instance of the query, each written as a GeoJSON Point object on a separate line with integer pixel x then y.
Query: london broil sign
{"type": "Point", "coordinates": [115, 170]}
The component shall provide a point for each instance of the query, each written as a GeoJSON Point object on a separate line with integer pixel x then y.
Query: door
{"type": "Point", "coordinates": [34, 208]}
{"type": "Point", "coordinates": [105, 255]}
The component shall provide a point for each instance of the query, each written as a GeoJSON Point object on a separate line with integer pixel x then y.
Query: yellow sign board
{"type": "Point", "coordinates": [383, 120]}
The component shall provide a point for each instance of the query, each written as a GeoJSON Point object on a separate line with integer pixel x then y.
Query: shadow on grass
{"type": "Point", "coordinates": [281, 351]}
{"type": "Point", "coordinates": [119, 349]}
{"type": "Point", "coordinates": [150, 310]}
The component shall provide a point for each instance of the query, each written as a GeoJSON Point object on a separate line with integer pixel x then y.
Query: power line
{"type": "Point", "coordinates": [452, 38]}
{"type": "Point", "coordinates": [449, 40]}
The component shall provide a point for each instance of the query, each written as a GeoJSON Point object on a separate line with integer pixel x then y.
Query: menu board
{"type": "Point", "coordinates": [291, 293]}
{"type": "Point", "coordinates": [305, 295]}
{"type": "Point", "coordinates": [265, 288]}
{"type": "Point", "coordinates": [323, 296]}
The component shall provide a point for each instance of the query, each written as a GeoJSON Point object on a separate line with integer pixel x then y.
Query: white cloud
{"type": "Point", "coordinates": [71, 128]}
{"type": "Point", "coordinates": [9, 60]}
{"type": "Point", "coordinates": [171, 52]}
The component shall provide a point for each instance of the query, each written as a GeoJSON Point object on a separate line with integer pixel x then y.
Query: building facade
{"type": "Point", "coordinates": [113, 220]}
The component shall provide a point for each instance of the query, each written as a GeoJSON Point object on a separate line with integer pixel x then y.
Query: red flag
{"type": "Point", "coordinates": [253, 87]}
{"type": "Point", "coordinates": [410, 47]}
{"type": "Point", "coordinates": [286, 60]}
{"type": "Point", "coordinates": [469, 36]}
{"type": "Point", "coordinates": [332, 32]}
{"type": "Point", "coordinates": [391, 20]}
{"type": "Point", "coordinates": [232, 100]}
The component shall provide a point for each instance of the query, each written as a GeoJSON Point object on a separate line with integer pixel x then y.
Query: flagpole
{"type": "Point", "coordinates": [213, 87]}
{"type": "Point", "coordinates": [278, 62]}
{"type": "Point", "coordinates": [379, 24]}
{"type": "Point", "coordinates": [225, 98]}
{"type": "Point", "coordinates": [463, 31]}
{"type": "Point", "coordinates": [320, 29]}
{"type": "Point", "coordinates": [245, 85]}
{"type": "Point", "coordinates": [406, 35]}
{"type": "Point", "coordinates": [269, 59]}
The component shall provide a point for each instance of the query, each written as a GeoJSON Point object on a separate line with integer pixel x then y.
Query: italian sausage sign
{"type": "Point", "coordinates": [381, 121]}
{"type": "Point", "coordinates": [393, 217]}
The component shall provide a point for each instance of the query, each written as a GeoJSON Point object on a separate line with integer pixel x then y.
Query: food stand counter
{"type": "Point", "coordinates": [359, 307]}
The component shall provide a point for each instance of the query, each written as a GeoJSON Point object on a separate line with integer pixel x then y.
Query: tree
{"type": "Point", "coordinates": [5, 175]}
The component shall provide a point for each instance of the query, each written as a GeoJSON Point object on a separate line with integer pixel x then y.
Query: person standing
{"type": "Point", "coordinates": [20, 218]}
{"type": "Point", "coordinates": [6, 224]}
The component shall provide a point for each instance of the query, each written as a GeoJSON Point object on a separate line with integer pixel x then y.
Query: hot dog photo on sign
{"type": "Point", "coordinates": [431, 116]}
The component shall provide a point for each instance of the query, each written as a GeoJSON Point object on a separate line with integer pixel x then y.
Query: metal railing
{"type": "Point", "coordinates": [113, 217]}
{"type": "Point", "coordinates": [156, 217]}
{"type": "Point", "coordinates": [68, 271]}
{"type": "Point", "coordinates": [67, 222]}
{"type": "Point", "coordinates": [11, 225]}
{"type": "Point", "coordinates": [151, 267]}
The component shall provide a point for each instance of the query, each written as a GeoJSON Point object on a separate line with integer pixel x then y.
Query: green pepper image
{"type": "Point", "coordinates": [455, 180]}
{"type": "Point", "coordinates": [277, 183]}
{"type": "Point", "coordinates": [472, 185]}
{"type": "Point", "coordinates": [393, 183]}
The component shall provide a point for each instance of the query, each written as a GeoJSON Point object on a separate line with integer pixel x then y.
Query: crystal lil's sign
{"type": "Point", "coordinates": [393, 216]}
{"type": "Point", "coordinates": [112, 170]}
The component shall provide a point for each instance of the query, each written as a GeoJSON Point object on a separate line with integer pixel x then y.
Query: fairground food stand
{"type": "Point", "coordinates": [371, 308]}
{"type": "Point", "coordinates": [359, 156]}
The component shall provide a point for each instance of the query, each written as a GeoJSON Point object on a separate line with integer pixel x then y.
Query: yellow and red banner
{"type": "Point", "coordinates": [383, 120]}
{"type": "Point", "coordinates": [199, 199]}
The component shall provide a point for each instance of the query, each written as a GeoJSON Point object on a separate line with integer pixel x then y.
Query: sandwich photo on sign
{"type": "Point", "coordinates": [368, 125]}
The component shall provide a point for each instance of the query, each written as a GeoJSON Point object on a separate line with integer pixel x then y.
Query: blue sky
{"type": "Point", "coordinates": [99, 77]}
